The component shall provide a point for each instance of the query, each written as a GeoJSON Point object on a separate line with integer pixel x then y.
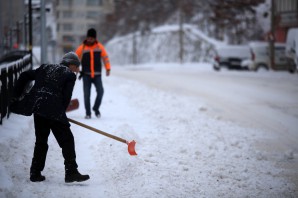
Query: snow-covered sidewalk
{"type": "Point", "coordinates": [182, 152]}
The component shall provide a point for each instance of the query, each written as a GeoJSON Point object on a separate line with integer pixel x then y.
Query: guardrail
{"type": "Point", "coordinates": [10, 72]}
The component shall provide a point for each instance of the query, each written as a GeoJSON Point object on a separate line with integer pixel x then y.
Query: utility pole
{"type": "Point", "coordinates": [134, 48]}
{"type": "Point", "coordinates": [272, 35]}
{"type": "Point", "coordinates": [43, 37]}
{"type": "Point", "coordinates": [18, 33]}
{"type": "Point", "coordinates": [30, 32]}
{"type": "Point", "coordinates": [1, 35]}
{"type": "Point", "coordinates": [25, 32]}
{"type": "Point", "coordinates": [181, 32]}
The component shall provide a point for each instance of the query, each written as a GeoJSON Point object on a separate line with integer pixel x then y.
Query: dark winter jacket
{"type": "Point", "coordinates": [50, 94]}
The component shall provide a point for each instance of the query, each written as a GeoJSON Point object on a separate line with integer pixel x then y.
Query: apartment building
{"type": "Point", "coordinates": [75, 17]}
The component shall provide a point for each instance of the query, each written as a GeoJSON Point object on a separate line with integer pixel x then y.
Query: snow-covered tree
{"type": "Point", "coordinates": [231, 20]}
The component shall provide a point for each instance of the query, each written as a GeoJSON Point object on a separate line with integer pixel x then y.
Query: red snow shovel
{"type": "Point", "coordinates": [131, 145]}
{"type": "Point", "coordinates": [74, 104]}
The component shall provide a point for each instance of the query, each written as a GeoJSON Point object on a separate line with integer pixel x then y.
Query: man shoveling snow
{"type": "Point", "coordinates": [47, 101]}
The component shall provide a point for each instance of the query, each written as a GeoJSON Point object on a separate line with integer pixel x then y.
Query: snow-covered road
{"type": "Point", "coordinates": [266, 101]}
{"type": "Point", "coordinates": [199, 134]}
{"type": "Point", "coordinates": [255, 99]}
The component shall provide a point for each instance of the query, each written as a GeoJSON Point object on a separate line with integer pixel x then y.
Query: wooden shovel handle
{"type": "Point", "coordinates": [98, 131]}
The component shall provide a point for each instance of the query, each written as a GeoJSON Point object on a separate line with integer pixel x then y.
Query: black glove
{"type": "Point", "coordinates": [81, 75]}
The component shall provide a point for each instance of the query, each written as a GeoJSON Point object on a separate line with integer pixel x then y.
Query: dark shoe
{"type": "Point", "coordinates": [97, 114]}
{"type": "Point", "coordinates": [75, 176]}
{"type": "Point", "coordinates": [88, 117]}
{"type": "Point", "coordinates": [36, 176]}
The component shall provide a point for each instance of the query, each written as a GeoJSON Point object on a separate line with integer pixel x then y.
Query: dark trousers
{"type": "Point", "coordinates": [64, 137]}
{"type": "Point", "coordinates": [87, 82]}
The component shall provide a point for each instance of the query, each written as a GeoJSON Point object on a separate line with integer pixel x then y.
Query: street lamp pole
{"type": "Point", "coordinates": [43, 38]}
{"type": "Point", "coordinates": [181, 32]}
{"type": "Point", "coordinates": [30, 32]}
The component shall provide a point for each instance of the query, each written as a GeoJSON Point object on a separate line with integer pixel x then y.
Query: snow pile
{"type": "Point", "coordinates": [162, 44]}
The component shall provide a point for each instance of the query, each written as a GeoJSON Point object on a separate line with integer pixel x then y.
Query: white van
{"type": "Point", "coordinates": [230, 56]}
{"type": "Point", "coordinates": [260, 57]}
{"type": "Point", "coordinates": [292, 45]}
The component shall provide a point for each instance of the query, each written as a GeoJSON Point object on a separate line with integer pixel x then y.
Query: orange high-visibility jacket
{"type": "Point", "coordinates": [92, 58]}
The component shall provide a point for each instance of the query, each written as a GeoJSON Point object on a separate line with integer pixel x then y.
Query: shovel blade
{"type": "Point", "coordinates": [73, 105]}
{"type": "Point", "coordinates": [131, 148]}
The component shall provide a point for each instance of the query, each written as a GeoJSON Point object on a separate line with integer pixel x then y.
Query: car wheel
{"type": "Point", "coordinates": [216, 68]}
{"type": "Point", "coordinates": [292, 70]}
{"type": "Point", "coordinates": [262, 67]}
{"type": "Point", "coordinates": [292, 66]}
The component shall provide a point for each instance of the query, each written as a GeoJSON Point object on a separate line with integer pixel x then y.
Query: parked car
{"type": "Point", "coordinates": [292, 46]}
{"type": "Point", "coordinates": [260, 57]}
{"type": "Point", "coordinates": [230, 57]}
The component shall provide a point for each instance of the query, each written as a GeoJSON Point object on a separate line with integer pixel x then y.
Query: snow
{"type": "Point", "coordinates": [162, 45]}
{"type": "Point", "coordinates": [183, 149]}
{"type": "Point", "coordinates": [264, 20]}
{"type": "Point", "coordinates": [187, 27]}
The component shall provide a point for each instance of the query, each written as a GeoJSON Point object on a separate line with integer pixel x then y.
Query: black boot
{"type": "Point", "coordinates": [35, 176]}
{"type": "Point", "coordinates": [75, 176]}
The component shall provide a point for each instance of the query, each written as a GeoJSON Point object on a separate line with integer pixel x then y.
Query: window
{"type": "Point", "coordinates": [92, 15]}
{"type": "Point", "coordinates": [80, 27]}
{"type": "Point", "coordinates": [67, 27]}
{"type": "Point", "coordinates": [78, 2]}
{"type": "Point", "coordinates": [68, 38]}
{"type": "Point", "coordinates": [94, 2]}
{"type": "Point", "coordinates": [67, 14]}
{"type": "Point", "coordinates": [65, 2]}
{"type": "Point", "coordinates": [91, 26]}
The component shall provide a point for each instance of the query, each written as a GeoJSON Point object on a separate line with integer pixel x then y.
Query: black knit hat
{"type": "Point", "coordinates": [91, 33]}
{"type": "Point", "coordinates": [70, 58]}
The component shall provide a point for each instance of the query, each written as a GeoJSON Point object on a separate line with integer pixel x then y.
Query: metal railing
{"type": "Point", "coordinates": [10, 72]}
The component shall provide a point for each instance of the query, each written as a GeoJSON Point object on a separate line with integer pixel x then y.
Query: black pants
{"type": "Point", "coordinates": [87, 82]}
{"type": "Point", "coordinates": [64, 137]}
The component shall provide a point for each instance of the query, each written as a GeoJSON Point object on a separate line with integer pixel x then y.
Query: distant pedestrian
{"type": "Point", "coordinates": [48, 100]}
{"type": "Point", "coordinates": [92, 53]}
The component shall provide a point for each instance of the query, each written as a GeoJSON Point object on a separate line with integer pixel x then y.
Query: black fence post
{"type": "Point", "coordinates": [3, 94]}
{"type": "Point", "coordinates": [10, 88]}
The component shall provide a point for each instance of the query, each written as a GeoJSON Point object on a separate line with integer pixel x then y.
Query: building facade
{"type": "Point", "coordinates": [12, 15]}
{"type": "Point", "coordinates": [285, 17]}
{"type": "Point", "coordinates": [75, 17]}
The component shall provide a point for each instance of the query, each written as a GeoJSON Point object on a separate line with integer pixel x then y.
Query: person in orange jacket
{"type": "Point", "coordinates": [92, 54]}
